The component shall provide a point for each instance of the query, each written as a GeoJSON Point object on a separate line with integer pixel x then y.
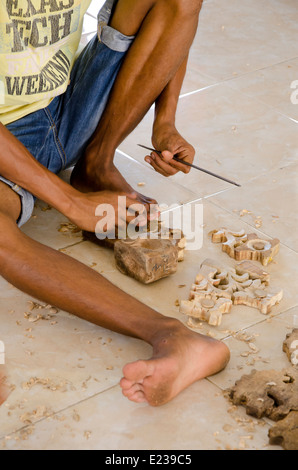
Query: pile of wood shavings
{"type": "Point", "coordinates": [257, 219]}
{"type": "Point", "coordinates": [68, 227]}
{"type": "Point", "coordinates": [47, 383]}
{"type": "Point", "coordinates": [48, 315]}
{"type": "Point", "coordinates": [40, 412]}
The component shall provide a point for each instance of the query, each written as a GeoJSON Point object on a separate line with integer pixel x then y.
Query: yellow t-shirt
{"type": "Point", "coordinates": [38, 43]}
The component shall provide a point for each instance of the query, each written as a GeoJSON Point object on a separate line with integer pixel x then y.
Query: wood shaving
{"type": "Point", "coordinates": [253, 347]}
{"type": "Point", "coordinates": [244, 212]}
{"type": "Point", "coordinates": [40, 316]}
{"type": "Point", "coordinates": [68, 227]}
{"type": "Point", "coordinates": [46, 208]}
{"type": "Point", "coordinates": [40, 412]}
{"type": "Point", "coordinates": [228, 427]}
{"type": "Point", "coordinates": [25, 433]}
{"type": "Point", "coordinates": [76, 416]}
{"type": "Point", "coordinates": [47, 383]}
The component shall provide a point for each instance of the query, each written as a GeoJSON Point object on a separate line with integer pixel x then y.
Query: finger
{"type": "Point", "coordinates": [158, 159]}
{"type": "Point", "coordinates": [156, 167]}
{"type": "Point", "coordinates": [136, 205]}
{"type": "Point", "coordinates": [165, 166]}
{"type": "Point", "coordinates": [140, 214]}
{"type": "Point", "coordinates": [125, 218]}
{"type": "Point", "coordinates": [154, 212]}
{"type": "Point", "coordinates": [181, 166]}
{"type": "Point", "coordinates": [183, 155]}
{"type": "Point", "coordinates": [167, 156]}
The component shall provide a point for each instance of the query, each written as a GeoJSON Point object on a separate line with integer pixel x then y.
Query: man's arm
{"type": "Point", "coordinates": [165, 136]}
{"type": "Point", "coordinates": [20, 167]}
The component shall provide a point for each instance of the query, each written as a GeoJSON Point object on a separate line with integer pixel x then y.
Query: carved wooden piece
{"type": "Point", "coordinates": [150, 257]}
{"type": "Point", "coordinates": [210, 312]}
{"type": "Point", "coordinates": [261, 299]}
{"type": "Point", "coordinates": [290, 347]}
{"type": "Point", "coordinates": [254, 271]}
{"type": "Point", "coordinates": [269, 393]}
{"type": "Point", "coordinates": [285, 432]}
{"type": "Point", "coordinates": [246, 284]}
{"type": "Point", "coordinates": [242, 246]}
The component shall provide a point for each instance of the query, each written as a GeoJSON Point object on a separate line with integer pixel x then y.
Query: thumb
{"type": "Point", "coordinates": [167, 155]}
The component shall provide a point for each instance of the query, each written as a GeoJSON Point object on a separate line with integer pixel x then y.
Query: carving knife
{"type": "Point", "coordinates": [192, 166]}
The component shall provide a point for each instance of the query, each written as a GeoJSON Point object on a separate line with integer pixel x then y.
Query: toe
{"type": "Point", "coordinates": [130, 392]}
{"type": "Point", "coordinates": [137, 371]}
{"type": "Point", "coordinates": [138, 397]}
{"type": "Point", "coordinates": [126, 384]}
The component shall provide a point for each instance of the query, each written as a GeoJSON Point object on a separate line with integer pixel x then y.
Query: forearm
{"type": "Point", "coordinates": [166, 103]}
{"type": "Point", "coordinates": [20, 167]}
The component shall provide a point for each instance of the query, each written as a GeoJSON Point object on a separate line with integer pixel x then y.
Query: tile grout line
{"type": "Point", "coordinates": [225, 80]}
{"type": "Point", "coordinates": [57, 412]}
{"type": "Point", "coordinates": [70, 246]}
{"type": "Point", "coordinates": [268, 106]}
{"type": "Point", "coordinates": [126, 155]}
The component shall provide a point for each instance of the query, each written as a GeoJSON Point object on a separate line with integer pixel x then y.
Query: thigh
{"type": "Point", "coordinates": [38, 133]}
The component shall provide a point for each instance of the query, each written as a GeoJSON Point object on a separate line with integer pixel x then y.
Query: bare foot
{"type": "Point", "coordinates": [179, 359]}
{"type": "Point", "coordinates": [105, 180]}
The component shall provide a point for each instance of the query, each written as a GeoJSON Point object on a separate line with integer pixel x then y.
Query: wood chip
{"type": "Point", "coordinates": [75, 416]}
{"type": "Point", "coordinates": [68, 227]}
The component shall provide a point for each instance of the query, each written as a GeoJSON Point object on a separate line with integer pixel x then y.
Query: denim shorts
{"type": "Point", "coordinates": [58, 134]}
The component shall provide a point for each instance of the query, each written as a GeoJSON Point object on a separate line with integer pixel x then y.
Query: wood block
{"type": "Point", "coordinates": [146, 260]}
{"type": "Point", "coordinates": [241, 246]}
{"type": "Point", "coordinates": [106, 242]}
{"type": "Point", "coordinates": [290, 347]}
{"type": "Point", "coordinates": [269, 393]}
{"type": "Point", "coordinates": [285, 432]}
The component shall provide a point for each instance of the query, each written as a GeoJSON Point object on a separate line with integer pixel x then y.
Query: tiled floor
{"type": "Point", "coordinates": [236, 110]}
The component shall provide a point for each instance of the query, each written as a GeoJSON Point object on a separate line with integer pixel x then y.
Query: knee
{"type": "Point", "coordinates": [187, 7]}
{"type": "Point", "coordinates": [8, 233]}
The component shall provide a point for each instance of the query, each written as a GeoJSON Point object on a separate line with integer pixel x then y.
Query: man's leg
{"type": "Point", "coordinates": [180, 356]}
{"type": "Point", "coordinates": [11, 207]}
{"type": "Point", "coordinates": [164, 31]}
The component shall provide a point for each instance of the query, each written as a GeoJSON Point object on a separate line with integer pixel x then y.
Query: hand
{"type": "Point", "coordinates": [89, 211]}
{"type": "Point", "coordinates": [167, 139]}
